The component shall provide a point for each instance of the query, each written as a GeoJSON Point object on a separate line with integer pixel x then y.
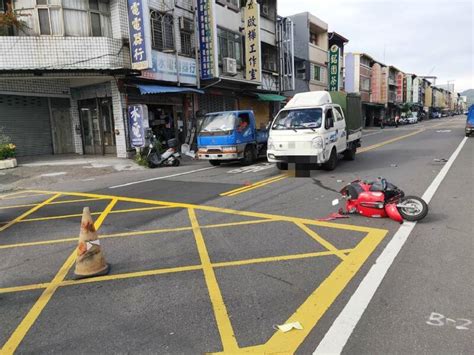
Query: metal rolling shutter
{"type": "Point", "coordinates": [25, 119]}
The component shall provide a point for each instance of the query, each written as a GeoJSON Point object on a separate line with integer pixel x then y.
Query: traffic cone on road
{"type": "Point", "coordinates": [90, 260]}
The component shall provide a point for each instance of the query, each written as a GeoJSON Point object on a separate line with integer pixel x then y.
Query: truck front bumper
{"type": "Point", "coordinates": [220, 156]}
{"type": "Point", "coordinates": [281, 157]}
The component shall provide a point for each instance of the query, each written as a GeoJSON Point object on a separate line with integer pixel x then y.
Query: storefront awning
{"type": "Point", "coordinates": [271, 97]}
{"type": "Point", "coordinates": [159, 89]}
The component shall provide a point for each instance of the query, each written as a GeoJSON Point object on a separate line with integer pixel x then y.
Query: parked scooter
{"type": "Point", "coordinates": [382, 199]}
{"type": "Point", "coordinates": [157, 156]}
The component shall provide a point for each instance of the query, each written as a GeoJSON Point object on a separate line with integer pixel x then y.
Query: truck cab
{"type": "Point", "coordinates": [230, 135]}
{"type": "Point", "coordinates": [311, 130]}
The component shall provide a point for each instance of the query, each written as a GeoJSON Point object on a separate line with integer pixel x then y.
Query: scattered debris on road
{"type": "Point", "coordinates": [333, 216]}
{"type": "Point", "coordinates": [393, 165]}
{"type": "Point", "coordinates": [289, 326]}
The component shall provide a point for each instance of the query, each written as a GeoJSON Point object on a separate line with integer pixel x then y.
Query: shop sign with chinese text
{"type": "Point", "coordinates": [137, 121]}
{"type": "Point", "coordinates": [253, 66]}
{"type": "Point", "coordinates": [139, 31]}
{"type": "Point", "coordinates": [207, 40]}
{"type": "Point", "coordinates": [334, 60]}
{"type": "Point", "coordinates": [399, 87]}
{"type": "Point", "coordinates": [164, 68]}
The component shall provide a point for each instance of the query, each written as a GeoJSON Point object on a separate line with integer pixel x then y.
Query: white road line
{"type": "Point", "coordinates": [161, 177]}
{"type": "Point", "coordinates": [342, 328]}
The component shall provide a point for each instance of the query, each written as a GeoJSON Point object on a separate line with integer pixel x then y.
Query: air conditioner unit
{"type": "Point", "coordinates": [265, 10]}
{"type": "Point", "coordinates": [229, 66]}
{"type": "Point", "coordinates": [186, 24]}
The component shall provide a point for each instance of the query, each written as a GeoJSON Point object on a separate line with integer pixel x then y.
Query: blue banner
{"type": "Point", "coordinates": [138, 22]}
{"type": "Point", "coordinates": [137, 125]}
{"type": "Point", "coordinates": [207, 39]}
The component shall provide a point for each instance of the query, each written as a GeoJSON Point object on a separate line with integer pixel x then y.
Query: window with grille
{"type": "Point", "coordinates": [230, 45]}
{"type": "Point", "coordinates": [80, 18]}
{"type": "Point", "coordinates": [162, 34]}
{"type": "Point", "coordinates": [186, 37]}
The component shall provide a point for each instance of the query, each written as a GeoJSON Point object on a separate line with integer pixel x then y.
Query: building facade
{"type": "Point", "coordinates": [311, 53]}
{"type": "Point", "coordinates": [59, 89]}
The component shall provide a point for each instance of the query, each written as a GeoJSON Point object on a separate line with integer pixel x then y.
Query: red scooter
{"type": "Point", "coordinates": [382, 199]}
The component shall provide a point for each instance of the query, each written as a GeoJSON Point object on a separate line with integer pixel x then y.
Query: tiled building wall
{"type": "Point", "coordinates": [119, 109]}
{"type": "Point", "coordinates": [53, 53]}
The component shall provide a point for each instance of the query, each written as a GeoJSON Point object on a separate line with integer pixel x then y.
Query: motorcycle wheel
{"type": "Point", "coordinates": [176, 162]}
{"type": "Point", "coordinates": [416, 209]}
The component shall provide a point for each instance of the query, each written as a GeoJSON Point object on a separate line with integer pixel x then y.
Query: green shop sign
{"type": "Point", "coordinates": [334, 59]}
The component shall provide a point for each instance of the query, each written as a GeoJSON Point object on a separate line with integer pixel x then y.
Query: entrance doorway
{"type": "Point", "coordinates": [97, 122]}
{"type": "Point", "coordinates": [62, 126]}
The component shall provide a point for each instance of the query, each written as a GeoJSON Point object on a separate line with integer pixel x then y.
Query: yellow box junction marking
{"type": "Point", "coordinates": [254, 186]}
{"type": "Point", "coordinates": [308, 314]}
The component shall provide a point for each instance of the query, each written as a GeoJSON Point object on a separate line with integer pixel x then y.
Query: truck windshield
{"type": "Point", "coordinates": [298, 119]}
{"type": "Point", "coordinates": [217, 122]}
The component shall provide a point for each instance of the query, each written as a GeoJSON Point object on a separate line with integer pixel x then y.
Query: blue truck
{"type": "Point", "coordinates": [231, 136]}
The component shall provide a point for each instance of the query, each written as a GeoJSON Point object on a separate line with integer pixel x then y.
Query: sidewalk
{"type": "Point", "coordinates": [35, 171]}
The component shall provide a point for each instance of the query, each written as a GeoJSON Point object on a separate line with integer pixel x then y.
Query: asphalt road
{"type": "Point", "coordinates": [210, 259]}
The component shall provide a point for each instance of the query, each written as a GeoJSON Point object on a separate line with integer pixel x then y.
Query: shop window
{"type": "Point", "coordinates": [186, 37]}
{"type": "Point", "coordinates": [81, 18]}
{"type": "Point", "coordinates": [230, 45]}
{"type": "Point", "coordinates": [162, 33]}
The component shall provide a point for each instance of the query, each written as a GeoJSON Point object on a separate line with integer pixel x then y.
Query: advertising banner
{"type": "Point", "coordinates": [138, 121]}
{"type": "Point", "coordinates": [253, 66]}
{"type": "Point", "coordinates": [139, 31]}
{"type": "Point", "coordinates": [209, 67]}
{"type": "Point", "coordinates": [164, 68]}
{"type": "Point", "coordinates": [334, 67]}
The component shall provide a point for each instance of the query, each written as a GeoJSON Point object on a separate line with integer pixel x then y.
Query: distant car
{"type": "Point", "coordinates": [412, 119]}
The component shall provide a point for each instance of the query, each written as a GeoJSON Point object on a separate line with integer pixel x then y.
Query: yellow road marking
{"type": "Point", "coordinates": [153, 272]}
{"type": "Point", "coordinates": [133, 234]}
{"type": "Point", "coordinates": [321, 241]}
{"type": "Point", "coordinates": [253, 186]}
{"type": "Point", "coordinates": [30, 211]}
{"type": "Point", "coordinates": [52, 203]}
{"type": "Point", "coordinates": [20, 332]}
{"type": "Point", "coordinates": [23, 288]}
{"type": "Point", "coordinates": [381, 144]}
{"type": "Point", "coordinates": [277, 258]}
{"type": "Point", "coordinates": [233, 212]}
{"type": "Point", "coordinates": [94, 213]}
{"type": "Point", "coordinates": [229, 342]}
{"type": "Point", "coordinates": [316, 305]}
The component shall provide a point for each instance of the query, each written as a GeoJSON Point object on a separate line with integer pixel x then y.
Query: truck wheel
{"type": "Point", "coordinates": [215, 162]}
{"type": "Point", "coordinates": [249, 155]}
{"type": "Point", "coordinates": [282, 166]}
{"type": "Point", "coordinates": [350, 153]}
{"type": "Point", "coordinates": [331, 164]}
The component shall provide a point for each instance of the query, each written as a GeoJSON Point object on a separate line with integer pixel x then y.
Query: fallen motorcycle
{"type": "Point", "coordinates": [382, 199]}
{"type": "Point", "coordinates": [168, 157]}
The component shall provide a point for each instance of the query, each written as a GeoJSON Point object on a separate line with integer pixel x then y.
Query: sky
{"type": "Point", "coordinates": [423, 37]}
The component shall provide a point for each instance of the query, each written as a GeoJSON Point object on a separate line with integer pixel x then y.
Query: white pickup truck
{"type": "Point", "coordinates": [314, 128]}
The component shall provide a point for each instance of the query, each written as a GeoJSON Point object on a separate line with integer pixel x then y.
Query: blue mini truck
{"type": "Point", "coordinates": [231, 136]}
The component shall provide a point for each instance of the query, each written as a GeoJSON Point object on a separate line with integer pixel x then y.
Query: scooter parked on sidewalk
{"type": "Point", "coordinates": [157, 156]}
{"type": "Point", "coordinates": [382, 199]}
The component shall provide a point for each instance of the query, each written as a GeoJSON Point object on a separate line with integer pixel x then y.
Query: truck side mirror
{"type": "Point", "coordinates": [329, 122]}
{"type": "Point", "coordinates": [267, 127]}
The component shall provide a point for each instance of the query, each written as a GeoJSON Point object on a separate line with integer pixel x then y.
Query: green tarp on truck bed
{"type": "Point", "coordinates": [351, 105]}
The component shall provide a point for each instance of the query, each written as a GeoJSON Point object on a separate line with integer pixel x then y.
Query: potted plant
{"type": "Point", "coordinates": [7, 152]}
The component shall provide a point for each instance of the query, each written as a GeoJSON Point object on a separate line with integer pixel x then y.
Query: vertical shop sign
{"type": "Point", "coordinates": [139, 31]}
{"type": "Point", "coordinates": [334, 60]}
{"type": "Point", "coordinates": [207, 40]}
{"type": "Point", "coordinates": [253, 71]}
{"type": "Point", "coordinates": [138, 121]}
{"type": "Point", "coordinates": [399, 87]}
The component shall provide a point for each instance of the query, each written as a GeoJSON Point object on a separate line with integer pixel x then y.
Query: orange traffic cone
{"type": "Point", "coordinates": [90, 260]}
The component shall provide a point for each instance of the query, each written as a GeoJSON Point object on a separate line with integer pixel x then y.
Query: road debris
{"type": "Point", "coordinates": [289, 326]}
{"type": "Point", "coordinates": [393, 165]}
{"type": "Point", "coordinates": [333, 216]}
{"type": "Point", "coordinates": [442, 160]}
{"type": "Point", "coordinates": [443, 131]}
